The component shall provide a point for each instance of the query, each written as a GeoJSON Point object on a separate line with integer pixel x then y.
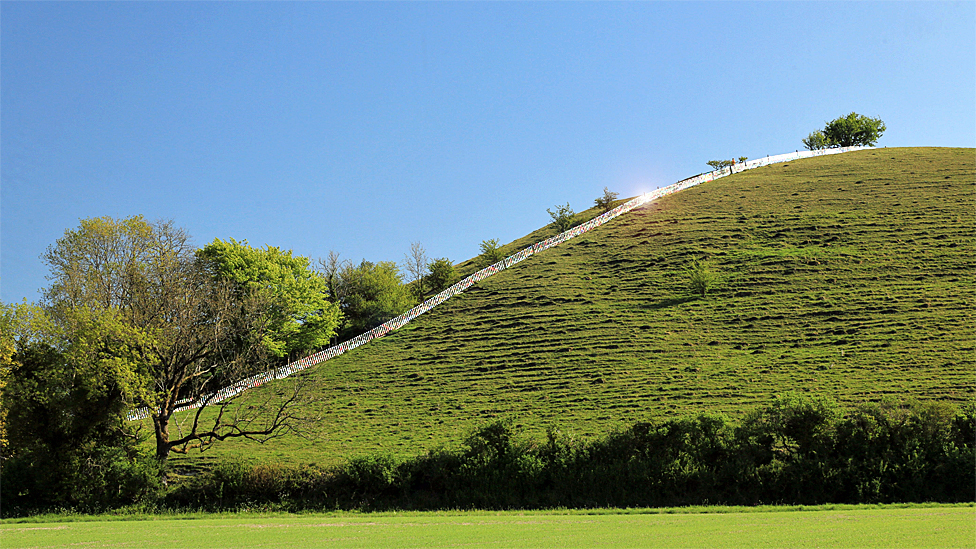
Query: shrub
{"type": "Point", "coordinates": [606, 201]}
{"type": "Point", "coordinates": [912, 451]}
{"type": "Point", "coordinates": [441, 274]}
{"type": "Point", "coordinates": [702, 277]}
{"type": "Point", "coordinates": [491, 252]}
{"type": "Point", "coordinates": [563, 219]}
{"type": "Point", "coordinates": [91, 480]}
{"type": "Point", "coordinates": [364, 483]}
{"type": "Point", "coordinates": [816, 141]}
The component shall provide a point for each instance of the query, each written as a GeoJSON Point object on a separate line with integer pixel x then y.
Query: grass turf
{"type": "Point", "coordinates": [848, 276]}
{"type": "Point", "coordinates": [915, 526]}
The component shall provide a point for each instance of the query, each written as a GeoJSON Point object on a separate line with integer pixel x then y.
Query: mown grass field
{"type": "Point", "coordinates": [863, 527]}
{"type": "Point", "coordinates": [849, 276]}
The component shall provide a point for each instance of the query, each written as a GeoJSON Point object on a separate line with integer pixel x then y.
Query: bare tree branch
{"type": "Point", "coordinates": [415, 262]}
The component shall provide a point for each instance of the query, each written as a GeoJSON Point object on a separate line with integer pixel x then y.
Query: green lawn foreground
{"type": "Point", "coordinates": [833, 526]}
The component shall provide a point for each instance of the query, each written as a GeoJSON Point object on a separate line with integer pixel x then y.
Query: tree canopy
{"type": "Point", "coordinates": [370, 294]}
{"type": "Point", "coordinates": [300, 316]}
{"type": "Point", "coordinates": [815, 141]}
{"type": "Point", "coordinates": [133, 300]}
{"type": "Point", "coordinates": [847, 131]}
{"type": "Point", "coordinates": [441, 274]}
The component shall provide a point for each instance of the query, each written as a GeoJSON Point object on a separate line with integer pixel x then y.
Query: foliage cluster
{"type": "Point", "coordinates": [564, 218]}
{"type": "Point", "coordinates": [427, 275]}
{"type": "Point", "coordinates": [606, 202]}
{"type": "Point", "coordinates": [440, 274]}
{"type": "Point", "coordinates": [702, 277]}
{"type": "Point", "coordinates": [299, 315]}
{"type": "Point", "coordinates": [491, 253]}
{"type": "Point", "coordinates": [369, 294]}
{"type": "Point", "coordinates": [64, 444]}
{"type": "Point", "coordinates": [135, 317]}
{"type": "Point", "coordinates": [797, 450]}
{"type": "Point", "coordinates": [847, 131]}
{"type": "Point", "coordinates": [719, 164]}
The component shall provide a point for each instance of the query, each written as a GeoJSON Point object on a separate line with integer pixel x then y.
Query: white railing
{"type": "Point", "coordinates": [464, 284]}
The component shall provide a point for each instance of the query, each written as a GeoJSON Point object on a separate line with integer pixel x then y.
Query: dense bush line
{"type": "Point", "coordinates": [798, 450]}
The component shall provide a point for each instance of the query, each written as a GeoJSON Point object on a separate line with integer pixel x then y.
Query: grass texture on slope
{"type": "Point", "coordinates": [848, 276]}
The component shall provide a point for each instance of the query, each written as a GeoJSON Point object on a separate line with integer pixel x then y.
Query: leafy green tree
{"type": "Point", "coordinates": [132, 297]}
{"type": "Point", "coordinates": [300, 315]}
{"type": "Point", "coordinates": [20, 324]}
{"type": "Point", "coordinates": [370, 294]}
{"type": "Point", "coordinates": [67, 442]}
{"type": "Point", "coordinates": [7, 350]}
{"type": "Point", "coordinates": [847, 131]}
{"type": "Point", "coordinates": [563, 219]}
{"type": "Point", "coordinates": [815, 141]}
{"type": "Point", "coordinates": [491, 252]}
{"type": "Point", "coordinates": [719, 164]}
{"type": "Point", "coordinates": [441, 274]}
{"type": "Point", "coordinates": [606, 201]}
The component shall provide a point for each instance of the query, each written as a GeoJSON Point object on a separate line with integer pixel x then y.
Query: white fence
{"type": "Point", "coordinates": [521, 255]}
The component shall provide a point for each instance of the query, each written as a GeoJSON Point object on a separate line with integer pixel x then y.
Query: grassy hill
{"type": "Point", "coordinates": [849, 276]}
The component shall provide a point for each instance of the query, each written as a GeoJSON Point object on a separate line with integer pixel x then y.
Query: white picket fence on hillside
{"type": "Point", "coordinates": [521, 255]}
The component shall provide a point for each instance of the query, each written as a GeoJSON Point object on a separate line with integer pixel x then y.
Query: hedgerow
{"type": "Point", "coordinates": [798, 450]}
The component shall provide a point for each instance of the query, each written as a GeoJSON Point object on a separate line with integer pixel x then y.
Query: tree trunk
{"type": "Point", "coordinates": [161, 425]}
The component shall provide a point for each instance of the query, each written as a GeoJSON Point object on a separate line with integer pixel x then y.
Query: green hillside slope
{"type": "Point", "coordinates": [848, 275]}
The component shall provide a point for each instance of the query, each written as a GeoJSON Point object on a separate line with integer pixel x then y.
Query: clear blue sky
{"type": "Point", "coordinates": [362, 127]}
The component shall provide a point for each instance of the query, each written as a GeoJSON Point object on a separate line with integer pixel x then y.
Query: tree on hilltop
{"type": "Point", "coordinates": [847, 131]}
{"type": "Point", "coordinates": [721, 164]}
{"type": "Point", "coordinates": [815, 141]}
